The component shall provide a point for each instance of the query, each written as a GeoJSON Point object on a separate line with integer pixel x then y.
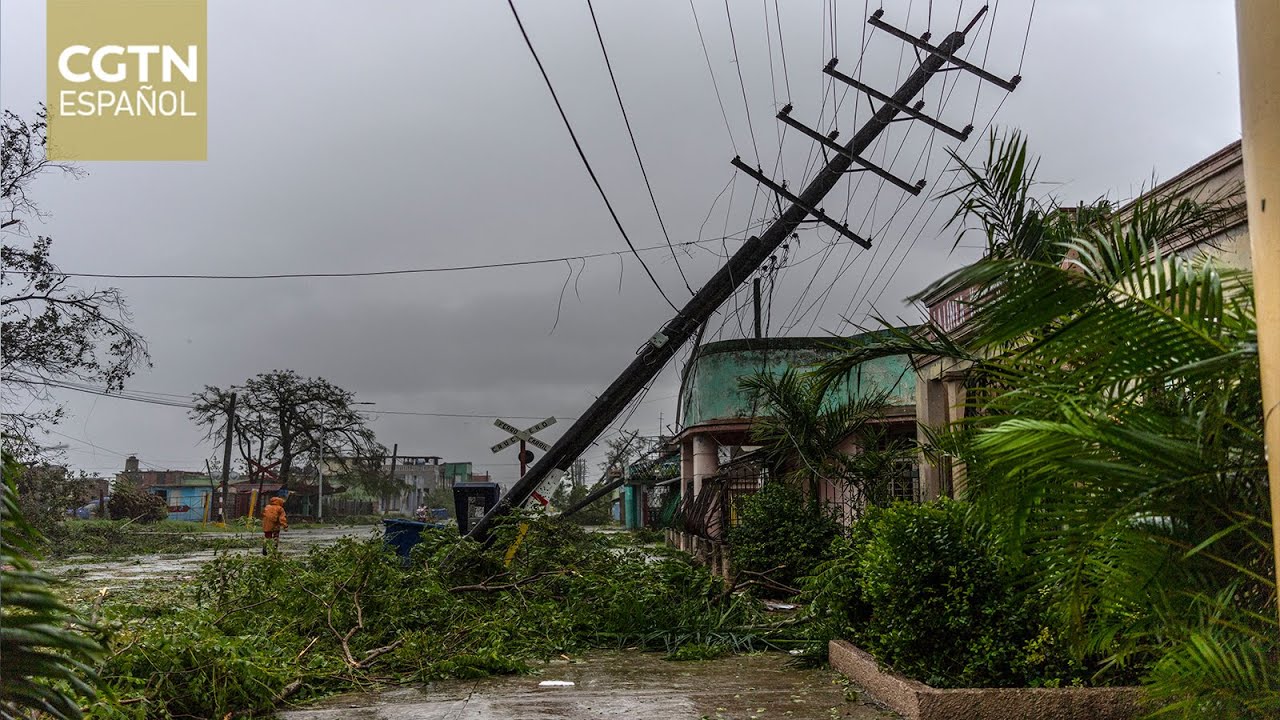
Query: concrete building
{"type": "Point", "coordinates": [186, 492]}
{"type": "Point", "coordinates": [940, 383]}
{"type": "Point", "coordinates": [648, 478]}
{"type": "Point", "coordinates": [147, 479]}
{"type": "Point", "coordinates": [422, 480]}
{"type": "Point", "coordinates": [717, 416]}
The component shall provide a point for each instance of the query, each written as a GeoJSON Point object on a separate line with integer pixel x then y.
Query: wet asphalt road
{"type": "Point", "coordinates": [119, 573]}
{"type": "Point", "coordinates": [623, 684]}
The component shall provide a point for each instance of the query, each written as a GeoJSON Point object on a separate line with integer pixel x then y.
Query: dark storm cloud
{"type": "Point", "coordinates": [367, 136]}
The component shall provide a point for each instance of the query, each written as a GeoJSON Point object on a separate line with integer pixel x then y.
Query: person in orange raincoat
{"type": "Point", "coordinates": [273, 521]}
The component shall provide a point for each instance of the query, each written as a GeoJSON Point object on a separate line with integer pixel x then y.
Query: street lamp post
{"type": "Point", "coordinates": [320, 466]}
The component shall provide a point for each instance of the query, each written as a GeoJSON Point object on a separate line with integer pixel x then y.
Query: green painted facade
{"type": "Point", "coordinates": [457, 472]}
{"type": "Point", "coordinates": [711, 388]}
{"type": "Point", "coordinates": [633, 517]}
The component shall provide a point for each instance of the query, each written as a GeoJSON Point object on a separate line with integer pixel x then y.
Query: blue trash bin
{"type": "Point", "coordinates": [402, 535]}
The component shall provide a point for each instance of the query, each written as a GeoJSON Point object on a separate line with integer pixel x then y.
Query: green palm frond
{"type": "Point", "coordinates": [1115, 440]}
{"type": "Point", "coordinates": [805, 420]}
{"type": "Point", "coordinates": [46, 658]}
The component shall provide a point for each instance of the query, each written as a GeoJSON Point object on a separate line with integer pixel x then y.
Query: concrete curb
{"type": "Point", "coordinates": [914, 700]}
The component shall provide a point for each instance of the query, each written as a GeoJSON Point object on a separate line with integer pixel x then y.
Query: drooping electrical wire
{"type": "Point", "coordinates": [782, 47]}
{"type": "Point", "coordinates": [634, 146]}
{"type": "Point", "coordinates": [746, 106]}
{"type": "Point", "coordinates": [378, 273]}
{"type": "Point", "coordinates": [583, 155]}
{"type": "Point", "coordinates": [714, 83]}
{"type": "Point", "coordinates": [128, 395]}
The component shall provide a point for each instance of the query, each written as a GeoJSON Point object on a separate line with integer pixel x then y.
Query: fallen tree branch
{"type": "Point", "coordinates": [485, 587]}
{"type": "Point", "coordinates": [767, 585]}
{"type": "Point", "coordinates": [305, 649]}
{"type": "Point", "coordinates": [233, 611]}
{"type": "Point", "coordinates": [760, 579]}
{"type": "Point", "coordinates": [376, 653]}
{"type": "Point", "coordinates": [289, 691]}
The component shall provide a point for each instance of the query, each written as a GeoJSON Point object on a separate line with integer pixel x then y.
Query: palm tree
{"type": "Point", "coordinates": [1115, 443]}
{"type": "Point", "coordinates": [805, 424]}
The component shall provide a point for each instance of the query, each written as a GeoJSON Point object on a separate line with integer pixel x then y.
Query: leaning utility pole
{"type": "Point", "coordinates": [748, 258]}
{"type": "Point", "coordinates": [1258, 32]}
{"type": "Point", "coordinates": [226, 458]}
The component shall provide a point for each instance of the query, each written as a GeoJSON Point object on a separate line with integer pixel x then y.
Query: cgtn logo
{"type": "Point", "coordinates": [110, 64]}
{"type": "Point", "coordinates": [126, 79]}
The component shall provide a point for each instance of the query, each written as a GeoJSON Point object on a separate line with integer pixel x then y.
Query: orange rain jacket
{"type": "Point", "coordinates": [273, 517]}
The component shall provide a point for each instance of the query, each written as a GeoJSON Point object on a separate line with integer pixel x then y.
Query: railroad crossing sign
{"type": "Point", "coordinates": [522, 436]}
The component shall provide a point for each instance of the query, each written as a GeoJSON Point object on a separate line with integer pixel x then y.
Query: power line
{"type": "Point", "coordinates": [925, 224]}
{"type": "Point", "coordinates": [83, 441]}
{"type": "Point", "coordinates": [925, 153]}
{"type": "Point", "coordinates": [634, 146]}
{"type": "Point", "coordinates": [103, 392]}
{"type": "Point", "coordinates": [582, 154]}
{"type": "Point", "coordinates": [786, 77]}
{"type": "Point", "coordinates": [131, 395]}
{"type": "Point", "coordinates": [927, 150]}
{"type": "Point", "coordinates": [912, 244]}
{"type": "Point", "coordinates": [374, 273]}
{"type": "Point", "coordinates": [746, 107]}
{"type": "Point", "coordinates": [490, 416]}
{"type": "Point", "coordinates": [714, 84]}
{"type": "Point", "coordinates": [853, 308]}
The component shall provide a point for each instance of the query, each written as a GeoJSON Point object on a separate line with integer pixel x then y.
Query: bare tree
{"type": "Point", "coordinates": [279, 416]}
{"type": "Point", "coordinates": [53, 331]}
{"type": "Point", "coordinates": [22, 145]}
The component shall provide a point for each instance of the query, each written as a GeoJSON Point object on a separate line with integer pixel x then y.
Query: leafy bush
{"type": "Point", "coordinates": [782, 533]}
{"type": "Point", "coordinates": [45, 493]}
{"type": "Point", "coordinates": [129, 502]}
{"type": "Point", "coordinates": [922, 591]}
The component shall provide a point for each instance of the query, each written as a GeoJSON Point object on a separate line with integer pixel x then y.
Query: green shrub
{"type": "Point", "coordinates": [923, 591]}
{"type": "Point", "coordinates": [783, 533]}
{"type": "Point", "coordinates": [836, 607]}
{"type": "Point", "coordinates": [129, 502]}
{"type": "Point", "coordinates": [185, 665]}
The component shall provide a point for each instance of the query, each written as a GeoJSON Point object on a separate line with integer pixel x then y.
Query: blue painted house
{"type": "Point", "coordinates": [185, 492]}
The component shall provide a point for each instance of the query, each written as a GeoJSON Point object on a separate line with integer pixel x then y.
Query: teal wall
{"type": "Point", "coordinates": [632, 517]}
{"type": "Point", "coordinates": [711, 390]}
{"type": "Point", "coordinates": [192, 497]}
{"type": "Point", "coordinates": [457, 472]}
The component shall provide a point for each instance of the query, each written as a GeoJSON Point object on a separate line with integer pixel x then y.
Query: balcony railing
{"type": "Point", "coordinates": [954, 311]}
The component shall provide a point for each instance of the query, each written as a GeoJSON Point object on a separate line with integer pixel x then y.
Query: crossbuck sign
{"type": "Point", "coordinates": [524, 437]}
{"type": "Point", "coordinates": [518, 435]}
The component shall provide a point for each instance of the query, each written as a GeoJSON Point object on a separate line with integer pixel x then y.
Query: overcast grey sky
{"type": "Point", "coordinates": [350, 136]}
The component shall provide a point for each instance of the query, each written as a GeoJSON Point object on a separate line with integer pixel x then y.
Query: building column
{"type": "Point", "coordinates": [686, 467]}
{"type": "Point", "coordinates": [955, 392]}
{"type": "Point", "coordinates": [706, 460]}
{"type": "Point", "coordinates": [931, 414]}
